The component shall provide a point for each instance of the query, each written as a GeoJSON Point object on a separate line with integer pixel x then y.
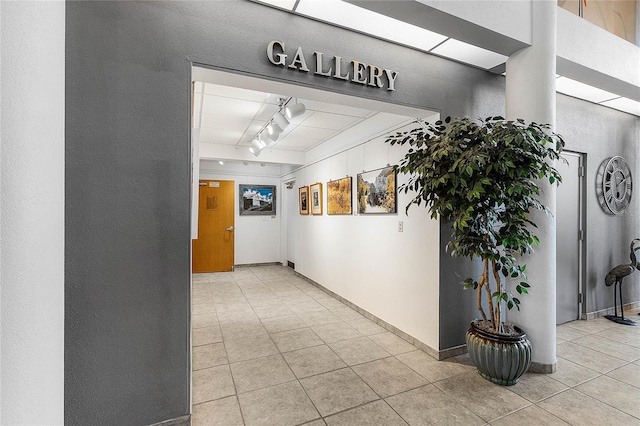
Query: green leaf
{"type": "Point", "coordinates": [481, 175]}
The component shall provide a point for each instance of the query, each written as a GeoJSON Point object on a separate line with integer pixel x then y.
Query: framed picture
{"type": "Point", "coordinates": [257, 200]}
{"type": "Point", "coordinates": [339, 196]}
{"type": "Point", "coordinates": [316, 198]}
{"type": "Point", "coordinates": [303, 197]}
{"type": "Point", "coordinates": [377, 193]}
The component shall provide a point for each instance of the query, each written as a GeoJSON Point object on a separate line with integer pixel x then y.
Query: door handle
{"type": "Point", "coordinates": [229, 228]}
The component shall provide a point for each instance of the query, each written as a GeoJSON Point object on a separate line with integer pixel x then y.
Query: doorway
{"type": "Point", "coordinates": [213, 250]}
{"type": "Point", "coordinates": [569, 238]}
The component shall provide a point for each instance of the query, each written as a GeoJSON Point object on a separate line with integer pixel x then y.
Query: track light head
{"type": "Point", "coordinates": [294, 110]}
{"type": "Point", "coordinates": [257, 144]}
{"type": "Point", "coordinates": [280, 120]}
{"type": "Point", "coordinates": [254, 151]}
{"type": "Point", "coordinates": [273, 131]}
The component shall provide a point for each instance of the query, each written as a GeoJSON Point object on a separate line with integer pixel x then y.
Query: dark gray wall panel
{"type": "Point", "coordinates": [127, 218]}
{"type": "Point", "coordinates": [601, 133]}
{"type": "Point", "coordinates": [127, 178]}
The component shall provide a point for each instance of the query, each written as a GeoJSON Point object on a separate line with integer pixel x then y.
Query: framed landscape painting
{"type": "Point", "coordinates": [316, 198]}
{"type": "Point", "coordinates": [339, 196]}
{"type": "Point", "coordinates": [257, 200]}
{"type": "Point", "coordinates": [303, 197]}
{"type": "Point", "coordinates": [377, 193]}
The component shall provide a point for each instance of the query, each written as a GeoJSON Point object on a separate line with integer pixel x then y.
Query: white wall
{"type": "Point", "coordinates": [257, 238]}
{"type": "Point", "coordinates": [512, 18]}
{"type": "Point", "coordinates": [591, 49]}
{"type": "Point", "coordinates": [364, 258]}
{"type": "Point", "coordinates": [32, 46]}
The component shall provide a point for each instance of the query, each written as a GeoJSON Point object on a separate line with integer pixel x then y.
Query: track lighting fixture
{"type": "Point", "coordinates": [273, 131]}
{"type": "Point", "coordinates": [280, 120]}
{"type": "Point", "coordinates": [291, 111]}
{"type": "Point", "coordinates": [256, 146]}
{"type": "Point", "coordinates": [276, 125]}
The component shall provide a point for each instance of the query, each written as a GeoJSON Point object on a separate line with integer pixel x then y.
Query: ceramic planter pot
{"type": "Point", "coordinates": [499, 359]}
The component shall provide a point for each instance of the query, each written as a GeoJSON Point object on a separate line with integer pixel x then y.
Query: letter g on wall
{"type": "Point", "coordinates": [279, 58]}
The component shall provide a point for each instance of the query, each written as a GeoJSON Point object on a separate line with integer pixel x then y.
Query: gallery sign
{"type": "Point", "coordinates": [335, 67]}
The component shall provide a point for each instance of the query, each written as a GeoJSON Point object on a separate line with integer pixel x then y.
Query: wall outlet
{"type": "Point", "coordinates": [400, 226]}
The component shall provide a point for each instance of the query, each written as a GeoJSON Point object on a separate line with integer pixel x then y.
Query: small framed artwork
{"type": "Point", "coordinates": [339, 196]}
{"type": "Point", "coordinates": [377, 193]}
{"type": "Point", "coordinates": [316, 198]}
{"type": "Point", "coordinates": [303, 197]}
{"type": "Point", "coordinates": [257, 200]}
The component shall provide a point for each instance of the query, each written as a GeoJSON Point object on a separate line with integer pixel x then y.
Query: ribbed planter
{"type": "Point", "coordinates": [499, 359]}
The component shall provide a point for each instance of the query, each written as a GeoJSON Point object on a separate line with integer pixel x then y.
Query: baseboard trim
{"type": "Point", "coordinates": [538, 367]}
{"type": "Point", "coordinates": [451, 352]}
{"type": "Point", "coordinates": [249, 265]}
{"type": "Point", "coordinates": [439, 355]}
{"type": "Point", "coordinates": [608, 311]}
{"type": "Point", "coordinates": [178, 421]}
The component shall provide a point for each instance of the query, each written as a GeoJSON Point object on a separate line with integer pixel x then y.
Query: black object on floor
{"type": "Point", "coordinates": [615, 277]}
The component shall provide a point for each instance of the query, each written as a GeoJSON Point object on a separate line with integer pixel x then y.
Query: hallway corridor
{"type": "Point", "coordinates": [269, 348]}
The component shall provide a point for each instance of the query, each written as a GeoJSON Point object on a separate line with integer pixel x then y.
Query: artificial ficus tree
{"type": "Point", "coordinates": [484, 176]}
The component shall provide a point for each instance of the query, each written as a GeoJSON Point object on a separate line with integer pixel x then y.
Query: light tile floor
{"type": "Point", "coordinates": [269, 348]}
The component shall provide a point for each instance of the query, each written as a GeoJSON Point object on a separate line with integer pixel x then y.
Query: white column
{"type": "Point", "coordinates": [32, 66]}
{"type": "Point", "coordinates": [531, 95]}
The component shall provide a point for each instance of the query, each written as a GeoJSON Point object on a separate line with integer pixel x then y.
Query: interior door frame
{"type": "Point", "coordinates": [582, 240]}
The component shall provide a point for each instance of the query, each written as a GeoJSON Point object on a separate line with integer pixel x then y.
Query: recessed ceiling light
{"type": "Point", "coordinates": [583, 91]}
{"type": "Point", "coordinates": [360, 19]}
{"type": "Point", "coordinates": [470, 54]}
{"type": "Point", "coordinates": [624, 104]}
{"type": "Point", "coordinates": [221, 162]}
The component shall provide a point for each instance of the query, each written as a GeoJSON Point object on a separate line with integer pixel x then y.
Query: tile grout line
{"type": "Point", "coordinates": [310, 293]}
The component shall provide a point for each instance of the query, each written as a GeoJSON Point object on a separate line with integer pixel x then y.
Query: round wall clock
{"type": "Point", "coordinates": [614, 185]}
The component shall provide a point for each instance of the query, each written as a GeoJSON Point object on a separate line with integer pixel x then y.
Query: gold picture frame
{"type": "Point", "coordinates": [316, 198]}
{"type": "Point", "coordinates": [303, 199]}
{"type": "Point", "coordinates": [339, 196]}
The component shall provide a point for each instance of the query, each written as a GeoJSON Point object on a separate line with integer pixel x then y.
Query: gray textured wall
{"type": "Point", "coordinates": [601, 133]}
{"type": "Point", "coordinates": [458, 306]}
{"type": "Point", "coordinates": [127, 181]}
{"type": "Point", "coordinates": [127, 178]}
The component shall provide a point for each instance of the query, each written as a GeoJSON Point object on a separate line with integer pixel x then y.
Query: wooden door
{"type": "Point", "coordinates": [213, 250]}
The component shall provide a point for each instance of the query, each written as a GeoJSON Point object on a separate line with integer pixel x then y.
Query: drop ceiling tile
{"type": "Point", "coordinates": [345, 110]}
{"type": "Point", "coordinates": [230, 107]}
{"type": "Point", "coordinates": [296, 121]}
{"type": "Point", "coordinates": [225, 122]}
{"type": "Point", "coordinates": [235, 93]}
{"type": "Point", "coordinates": [296, 144]}
{"type": "Point", "coordinates": [275, 99]}
{"type": "Point", "coordinates": [330, 121]}
{"type": "Point", "coordinates": [266, 112]}
{"type": "Point", "coordinates": [312, 133]}
{"type": "Point", "coordinates": [227, 137]}
{"type": "Point", "coordinates": [311, 105]}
